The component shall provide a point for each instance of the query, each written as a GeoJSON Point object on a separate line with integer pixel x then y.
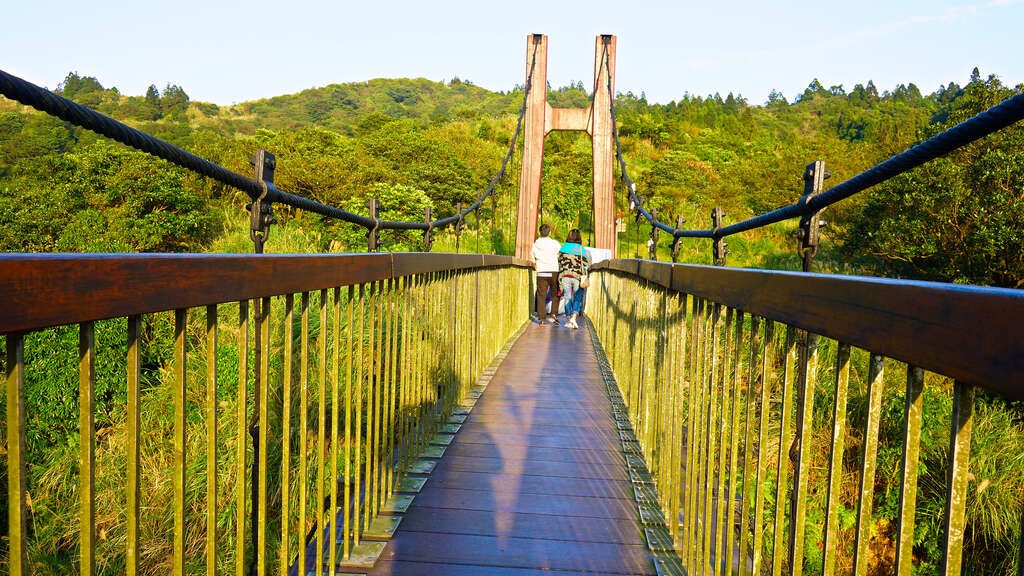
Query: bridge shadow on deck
{"type": "Point", "coordinates": [534, 482]}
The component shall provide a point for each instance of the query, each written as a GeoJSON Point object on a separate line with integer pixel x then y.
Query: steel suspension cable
{"type": "Point", "coordinates": [508, 154]}
{"type": "Point", "coordinates": [1000, 116]}
{"type": "Point", "coordinates": [996, 118]}
{"type": "Point", "coordinates": [43, 100]}
{"type": "Point", "coordinates": [634, 200]}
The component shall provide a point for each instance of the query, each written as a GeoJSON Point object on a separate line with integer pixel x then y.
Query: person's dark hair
{"type": "Point", "coordinates": [574, 236]}
{"type": "Point", "coordinates": [545, 229]}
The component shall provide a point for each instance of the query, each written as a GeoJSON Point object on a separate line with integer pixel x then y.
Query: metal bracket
{"type": "Point", "coordinates": [373, 234]}
{"type": "Point", "coordinates": [809, 233]}
{"type": "Point", "coordinates": [720, 248]}
{"type": "Point", "coordinates": [676, 240]}
{"type": "Point", "coordinates": [261, 214]}
{"type": "Point", "coordinates": [652, 243]}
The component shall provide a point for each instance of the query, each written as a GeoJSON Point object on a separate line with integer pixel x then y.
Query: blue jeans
{"type": "Point", "coordinates": [572, 294]}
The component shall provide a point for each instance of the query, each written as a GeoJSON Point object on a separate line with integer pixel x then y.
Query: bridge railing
{"type": "Point", "coordinates": [764, 403]}
{"type": "Point", "coordinates": [363, 360]}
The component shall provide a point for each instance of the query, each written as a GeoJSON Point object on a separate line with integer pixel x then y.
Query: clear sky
{"type": "Point", "coordinates": [233, 51]}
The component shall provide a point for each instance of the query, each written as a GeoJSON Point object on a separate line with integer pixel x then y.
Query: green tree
{"type": "Point", "coordinates": [152, 110]}
{"type": "Point", "coordinates": [958, 218]}
{"type": "Point", "coordinates": [85, 90]}
{"type": "Point", "coordinates": [103, 199]}
{"type": "Point", "coordinates": [174, 101]}
{"type": "Point", "coordinates": [398, 202]}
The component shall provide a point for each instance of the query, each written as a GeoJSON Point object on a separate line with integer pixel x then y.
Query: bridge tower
{"type": "Point", "coordinates": [595, 120]}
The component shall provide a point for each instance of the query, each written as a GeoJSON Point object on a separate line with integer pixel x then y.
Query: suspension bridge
{"type": "Point", "coordinates": [397, 413]}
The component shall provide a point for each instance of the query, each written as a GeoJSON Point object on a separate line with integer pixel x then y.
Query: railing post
{"type": "Point", "coordinates": [476, 216]}
{"type": "Point", "coordinates": [676, 240]}
{"type": "Point", "coordinates": [458, 228]}
{"type": "Point", "coordinates": [720, 247]}
{"type": "Point", "coordinates": [17, 491]}
{"type": "Point", "coordinates": [809, 232]}
{"type": "Point", "coordinates": [652, 243]}
{"type": "Point", "coordinates": [428, 234]}
{"type": "Point", "coordinates": [261, 215]}
{"type": "Point", "coordinates": [373, 234]}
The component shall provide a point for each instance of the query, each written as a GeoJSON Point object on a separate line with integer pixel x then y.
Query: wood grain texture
{"type": "Point", "coordinates": [534, 482]}
{"type": "Point", "coordinates": [43, 290]}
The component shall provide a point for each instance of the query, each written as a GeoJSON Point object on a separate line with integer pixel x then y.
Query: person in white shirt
{"type": "Point", "coordinates": [545, 260]}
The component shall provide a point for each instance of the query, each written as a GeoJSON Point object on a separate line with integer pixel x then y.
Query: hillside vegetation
{"type": "Point", "coordinates": [417, 144]}
{"type": "Point", "coordinates": [440, 144]}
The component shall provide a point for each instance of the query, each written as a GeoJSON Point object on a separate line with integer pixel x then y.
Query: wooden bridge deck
{"type": "Point", "coordinates": [534, 482]}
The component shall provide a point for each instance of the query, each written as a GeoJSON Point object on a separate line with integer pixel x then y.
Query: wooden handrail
{"type": "Point", "coordinates": [43, 290]}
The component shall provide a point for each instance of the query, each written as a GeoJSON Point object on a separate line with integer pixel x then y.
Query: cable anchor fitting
{"type": "Point", "coordinates": [720, 248]}
{"type": "Point", "coordinates": [428, 235]}
{"type": "Point", "coordinates": [676, 240]}
{"type": "Point", "coordinates": [373, 234]}
{"type": "Point", "coordinates": [652, 242]}
{"type": "Point", "coordinates": [261, 213]}
{"type": "Point", "coordinates": [458, 228]}
{"type": "Point", "coordinates": [808, 234]}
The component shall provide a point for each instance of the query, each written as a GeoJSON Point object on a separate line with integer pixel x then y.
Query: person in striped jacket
{"type": "Point", "coordinates": [573, 264]}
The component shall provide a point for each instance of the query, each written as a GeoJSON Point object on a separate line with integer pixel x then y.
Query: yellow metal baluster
{"type": "Point", "coordinates": [722, 518]}
{"type": "Point", "coordinates": [180, 324]}
{"type": "Point", "coordinates": [808, 365]}
{"type": "Point", "coordinates": [865, 524]}
{"type": "Point", "coordinates": [304, 431]}
{"type": "Point", "coordinates": [835, 473]}
{"type": "Point", "coordinates": [960, 456]}
{"type": "Point", "coordinates": [133, 453]}
{"type": "Point", "coordinates": [321, 447]}
{"type": "Point", "coordinates": [286, 434]}
{"type": "Point", "coordinates": [914, 410]}
{"type": "Point", "coordinates": [749, 485]}
{"type": "Point", "coordinates": [17, 501]}
{"type": "Point", "coordinates": [764, 411]}
{"type": "Point", "coordinates": [263, 423]}
{"type": "Point", "coordinates": [357, 505]}
{"type": "Point", "coordinates": [785, 444]}
{"type": "Point", "coordinates": [335, 414]}
{"type": "Point", "coordinates": [211, 439]}
{"type": "Point", "coordinates": [735, 489]}
{"type": "Point", "coordinates": [87, 454]}
{"type": "Point", "coordinates": [241, 452]}
{"type": "Point", "coordinates": [371, 360]}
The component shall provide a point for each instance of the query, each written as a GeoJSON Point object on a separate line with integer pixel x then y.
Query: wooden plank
{"type": "Point", "coordinates": [434, 569]}
{"type": "Point", "coordinates": [506, 500]}
{"type": "Point", "coordinates": [547, 437]}
{"type": "Point", "coordinates": [524, 484]}
{"type": "Point", "coordinates": [519, 525]}
{"type": "Point", "coordinates": [530, 553]}
{"type": "Point", "coordinates": [612, 471]}
{"type": "Point", "coordinates": [537, 454]}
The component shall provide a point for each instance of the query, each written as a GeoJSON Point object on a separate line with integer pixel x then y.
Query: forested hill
{"type": "Point", "coordinates": [418, 143]}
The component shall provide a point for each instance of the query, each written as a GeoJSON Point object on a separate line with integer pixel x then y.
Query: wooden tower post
{"type": "Point", "coordinates": [595, 120]}
{"type": "Point", "coordinates": [533, 143]}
